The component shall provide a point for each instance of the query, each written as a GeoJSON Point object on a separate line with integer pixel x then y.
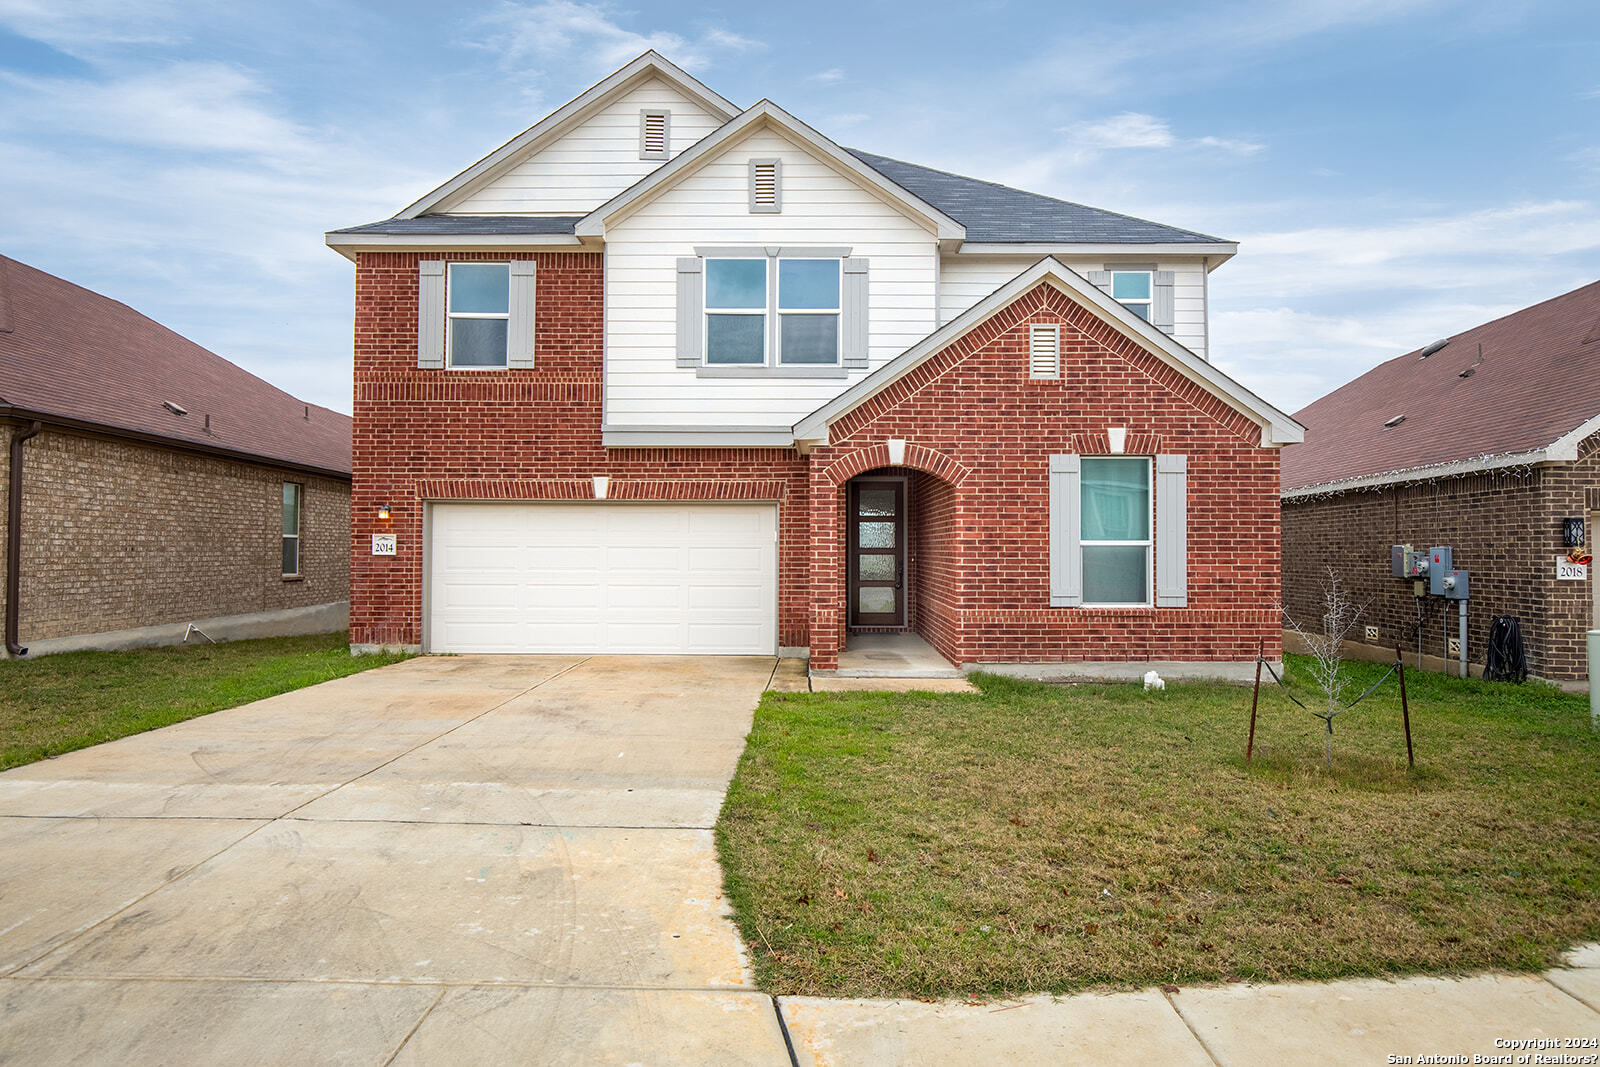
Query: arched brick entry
{"type": "Point", "coordinates": [934, 481]}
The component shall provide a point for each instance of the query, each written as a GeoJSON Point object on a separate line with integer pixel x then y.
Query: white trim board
{"type": "Point", "coordinates": [350, 244]}
{"type": "Point", "coordinates": [491, 166]}
{"type": "Point", "coordinates": [1277, 428]}
{"type": "Point", "coordinates": [766, 114]}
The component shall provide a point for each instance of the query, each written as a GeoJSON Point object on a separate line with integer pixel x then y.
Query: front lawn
{"type": "Point", "coordinates": [55, 704]}
{"type": "Point", "coordinates": [1037, 838]}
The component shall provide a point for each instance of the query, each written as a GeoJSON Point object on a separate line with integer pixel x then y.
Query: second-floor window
{"type": "Point", "coordinates": [1132, 289]}
{"type": "Point", "coordinates": [478, 307]}
{"type": "Point", "coordinates": [782, 312]}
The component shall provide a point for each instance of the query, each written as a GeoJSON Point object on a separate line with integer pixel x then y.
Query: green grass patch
{"type": "Point", "coordinates": [56, 704]}
{"type": "Point", "coordinates": [1039, 838]}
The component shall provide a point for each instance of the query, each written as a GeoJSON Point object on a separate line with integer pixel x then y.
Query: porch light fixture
{"type": "Point", "coordinates": [1118, 437]}
{"type": "Point", "coordinates": [897, 451]}
{"type": "Point", "coordinates": [601, 484]}
{"type": "Point", "coordinates": [383, 513]}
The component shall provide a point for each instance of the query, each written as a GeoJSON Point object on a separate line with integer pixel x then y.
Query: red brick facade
{"type": "Point", "coordinates": [979, 430]}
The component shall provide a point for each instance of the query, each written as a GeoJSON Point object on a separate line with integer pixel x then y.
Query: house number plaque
{"type": "Point", "coordinates": [383, 544]}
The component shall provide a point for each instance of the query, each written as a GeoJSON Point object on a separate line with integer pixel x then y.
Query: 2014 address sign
{"type": "Point", "coordinates": [383, 544]}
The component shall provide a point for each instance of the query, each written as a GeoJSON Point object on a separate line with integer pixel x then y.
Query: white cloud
{"type": "Point", "coordinates": [196, 106]}
{"type": "Point", "coordinates": [828, 77]}
{"type": "Point", "coordinates": [91, 27]}
{"type": "Point", "coordinates": [849, 118]}
{"type": "Point", "coordinates": [560, 30]}
{"type": "Point", "coordinates": [1130, 129]}
{"type": "Point", "coordinates": [1228, 144]}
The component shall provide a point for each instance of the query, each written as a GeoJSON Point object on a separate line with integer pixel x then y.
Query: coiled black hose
{"type": "Point", "coordinates": [1507, 660]}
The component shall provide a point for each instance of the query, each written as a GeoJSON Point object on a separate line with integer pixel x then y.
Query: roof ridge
{"type": "Point", "coordinates": [861, 152]}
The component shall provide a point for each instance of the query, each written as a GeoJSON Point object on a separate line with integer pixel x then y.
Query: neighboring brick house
{"type": "Point", "coordinates": [1486, 445]}
{"type": "Point", "coordinates": [632, 383]}
{"type": "Point", "coordinates": [157, 484]}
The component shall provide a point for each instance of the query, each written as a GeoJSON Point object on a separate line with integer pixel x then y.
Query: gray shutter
{"type": "Point", "coordinates": [1101, 279]}
{"type": "Point", "coordinates": [853, 312]}
{"type": "Point", "coordinates": [430, 313]}
{"type": "Point", "coordinates": [1162, 312]}
{"type": "Point", "coordinates": [1172, 531]}
{"type": "Point", "coordinates": [519, 330]}
{"type": "Point", "coordinates": [1066, 556]}
{"type": "Point", "coordinates": [691, 311]}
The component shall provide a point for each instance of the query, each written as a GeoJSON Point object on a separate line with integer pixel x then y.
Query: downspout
{"type": "Point", "coordinates": [14, 540]}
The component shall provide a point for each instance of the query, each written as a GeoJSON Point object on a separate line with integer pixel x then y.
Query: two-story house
{"type": "Point", "coordinates": [664, 375]}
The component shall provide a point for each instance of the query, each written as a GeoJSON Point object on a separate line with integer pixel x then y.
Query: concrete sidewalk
{"type": "Point", "coordinates": [1352, 1022]}
{"type": "Point", "coordinates": [471, 860]}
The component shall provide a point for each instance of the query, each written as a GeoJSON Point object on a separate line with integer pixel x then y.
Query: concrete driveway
{"type": "Point", "coordinates": [463, 859]}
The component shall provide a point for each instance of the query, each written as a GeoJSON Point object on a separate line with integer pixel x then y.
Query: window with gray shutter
{"type": "Point", "coordinates": [519, 339]}
{"type": "Point", "coordinates": [1162, 309]}
{"type": "Point", "coordinates": [691, 307]}
{"type": "Point", "coordinates": [1066, 555]}
{"type": "Point", "coordinates": [430, 314]}
{"type": "Point", "coordinates": [854, 327]}
{"type": "Point", "coordinates": [1172, 531]}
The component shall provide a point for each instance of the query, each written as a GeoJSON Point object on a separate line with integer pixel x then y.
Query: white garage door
{"type": "Point", "coordinates": [604, 578]}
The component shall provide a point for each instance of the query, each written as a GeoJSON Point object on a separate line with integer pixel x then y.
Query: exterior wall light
{"type": "Point", "coordinates": [383, 513]}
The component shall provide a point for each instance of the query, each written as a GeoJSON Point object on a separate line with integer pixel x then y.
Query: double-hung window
{"type": "Point", "coordinates": [1116, 527]}
{"type": "Point", "coordinates": [1134, 290]}
{"type": "Point", "coordinates": [478, 309]}
{"type": "Point", "coordinates": [736, 312]}
{"type": "Point", "coordinates": [292, 492]}
{"type": "Point", "coordinates": [772, 312]}
{"type": "Point", "coordinates": [808, 311]}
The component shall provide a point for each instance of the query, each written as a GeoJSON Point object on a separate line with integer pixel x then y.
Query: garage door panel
{"type": "Point", "coordinates": [617, 578]}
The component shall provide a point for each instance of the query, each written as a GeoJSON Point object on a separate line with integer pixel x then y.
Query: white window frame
{"type": "Point", "coordinates": [1148, 303]}
{"type": "Point", "coordinates": [707, 310]}
{"type": "Point", "coordinates": [837, 311]}
{"type": "Point", "coordinates": [449, 334]}
{"type": "Point", "coordinates": [1149, 543]}
{"type": "Point", "coordinates": [299, 524]}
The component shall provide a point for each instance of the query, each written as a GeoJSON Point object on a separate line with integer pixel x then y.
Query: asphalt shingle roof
{"type": "Point", "coordinates": [1529, 382]}
{"type": "Point", "coordinates": [999, 214]}
{"type": "Point", "coordinates": [74, 354]}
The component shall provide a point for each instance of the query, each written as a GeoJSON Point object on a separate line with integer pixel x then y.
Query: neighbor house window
{"type": "Point", "coordinates": [292, 492]}
{"type": "Point", "coordinates": [1132, 289]}
{"type": "Point", "coordinates": [805, 305]}
{"type": "Point", "coordinates": [1115, 539]}
{"type": "Point", "coordinates": [478, 307]}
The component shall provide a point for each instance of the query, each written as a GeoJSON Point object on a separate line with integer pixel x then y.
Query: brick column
{"type": "Point", "coordinates": [827, 566]}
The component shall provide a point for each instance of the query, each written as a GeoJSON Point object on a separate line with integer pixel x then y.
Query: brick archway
{"type": "Point", "coordinates": [917, 457]}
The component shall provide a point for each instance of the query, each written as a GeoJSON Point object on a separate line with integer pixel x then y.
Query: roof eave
{"type": "Point", "coordinates": [1216, 253]}
{"type": "Point", "coordinates": [650, 63]}
{"type": "Point", "coordinates": [106, 429]}
{"type": "Point", "coordinates": [594, 223]}
{"type": "Point", "coordinates": [1277, 428]}
{"type": "Point", "coordinates": [349, 244]}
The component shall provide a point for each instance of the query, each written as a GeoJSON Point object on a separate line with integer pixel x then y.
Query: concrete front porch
{"type": "Point", "coordinates": [895, 655]}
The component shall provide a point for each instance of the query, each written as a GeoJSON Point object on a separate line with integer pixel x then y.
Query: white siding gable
{"type": "Point", "coordinates": [821, 207]}
{"type": "Point", "coordinates": [592, 162]}
{"type": "Point", "coordinates": [965, 280]}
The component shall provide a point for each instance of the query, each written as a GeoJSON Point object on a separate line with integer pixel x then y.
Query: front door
{"type": "Point", "coordinates": [877, 540]}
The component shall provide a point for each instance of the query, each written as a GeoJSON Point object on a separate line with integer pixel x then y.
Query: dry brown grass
{"type": "Point", "coordinates": [1036, 838]}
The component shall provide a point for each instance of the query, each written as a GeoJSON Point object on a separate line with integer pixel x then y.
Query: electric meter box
{"type": "Point", "coordinates": [1407, 562]}
{"type": "Point", "coordinates": [1443, 578]}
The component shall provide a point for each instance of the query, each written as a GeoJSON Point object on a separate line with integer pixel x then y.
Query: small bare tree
{"type": "Point", "coordinates": [1340, 615]}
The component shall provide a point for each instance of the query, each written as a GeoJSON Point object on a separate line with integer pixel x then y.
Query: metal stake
{"type": "Point", "coordinates": [1405, 710]}
{"type": "Point", "coordinates": [1261, 654]}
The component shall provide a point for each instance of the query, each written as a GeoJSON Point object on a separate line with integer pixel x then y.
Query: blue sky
{"type": "Point", "coordinates": [1395, 170]}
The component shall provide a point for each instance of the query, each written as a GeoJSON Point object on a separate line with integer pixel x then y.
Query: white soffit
{"type": "Point", "coordinates": [563, 118]}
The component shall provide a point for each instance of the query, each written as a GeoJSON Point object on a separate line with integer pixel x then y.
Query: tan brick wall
{"type": "Point", "coordinates": [1505, 529]}
{"type": "Point", "coordinates": [118, 534]}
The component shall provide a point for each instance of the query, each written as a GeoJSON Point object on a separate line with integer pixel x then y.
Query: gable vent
{"type": "Point", "coordinates": [766, 193]}
{"type": "Point", "coordinates": [654, 134]}
{"type": "Point", "coordinates": [1044, 351]}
